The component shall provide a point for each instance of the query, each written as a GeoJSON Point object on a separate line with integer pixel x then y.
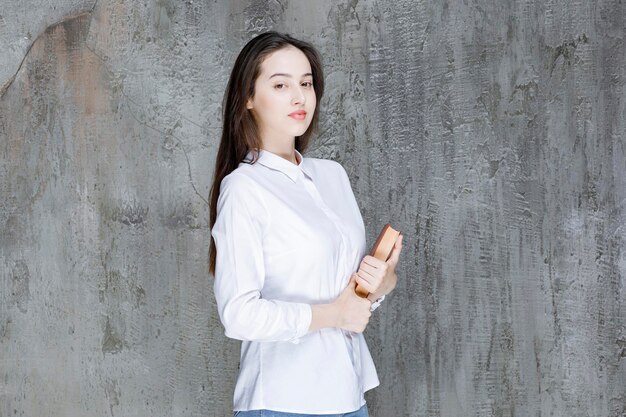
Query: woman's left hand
{"type": "Point", "coordinates": [379, 277]}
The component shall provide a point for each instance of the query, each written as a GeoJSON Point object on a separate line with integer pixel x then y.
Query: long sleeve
{"type": "Point", "coordinates": [241, 222]}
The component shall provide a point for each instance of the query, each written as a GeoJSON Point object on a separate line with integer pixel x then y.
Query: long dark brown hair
{"type": "Point", "coordinates": [239, 132]}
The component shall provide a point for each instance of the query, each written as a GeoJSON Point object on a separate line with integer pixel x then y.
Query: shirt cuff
{"type": "Point", "coordinates": [376, 303]}
{"type": "Point", "coordinates": [305, 314]}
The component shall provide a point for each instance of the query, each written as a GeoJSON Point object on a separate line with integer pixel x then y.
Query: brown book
{"type": "Point", "coordinates": [381, 250]}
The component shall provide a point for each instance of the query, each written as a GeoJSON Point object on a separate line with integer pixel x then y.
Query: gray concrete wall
{"type": "Point", "coordinates": [495, 129]}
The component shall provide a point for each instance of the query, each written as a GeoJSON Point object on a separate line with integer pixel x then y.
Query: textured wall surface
{"type": "Point", "coordinates": [491, 133]}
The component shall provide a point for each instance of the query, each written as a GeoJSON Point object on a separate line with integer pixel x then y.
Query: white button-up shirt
{"type": "Point", "coordinates": [288, 236]}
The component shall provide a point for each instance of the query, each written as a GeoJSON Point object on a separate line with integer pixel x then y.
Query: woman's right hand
{"type": "Point", "coordinates": [353, 312]}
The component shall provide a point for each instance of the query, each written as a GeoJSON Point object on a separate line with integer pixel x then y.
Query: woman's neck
{"type": "Point", "coordinates": [288, 153]}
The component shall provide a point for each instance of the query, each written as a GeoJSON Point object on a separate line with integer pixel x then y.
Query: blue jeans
{"type": "Point", "coordinates": [361, 412]}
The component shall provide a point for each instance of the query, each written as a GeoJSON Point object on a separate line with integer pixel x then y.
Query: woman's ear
{"type": "Point", "coordinates": [249, 104]}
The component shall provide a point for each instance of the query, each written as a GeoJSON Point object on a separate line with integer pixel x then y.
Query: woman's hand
{"type": "Point", "coordinates": [351, 311]}
{"type": "Point", "coordinates": [379, 277]}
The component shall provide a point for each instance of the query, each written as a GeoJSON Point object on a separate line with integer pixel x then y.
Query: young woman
{"type": "Point", "coordinates": [287, 238]}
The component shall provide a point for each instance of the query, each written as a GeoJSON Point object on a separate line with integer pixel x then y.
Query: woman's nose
{"type": "Point", "coordinates": [298, 96]}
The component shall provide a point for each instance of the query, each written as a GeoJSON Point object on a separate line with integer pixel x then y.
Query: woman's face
{"type": "Point", "coordinates": [283, 88]}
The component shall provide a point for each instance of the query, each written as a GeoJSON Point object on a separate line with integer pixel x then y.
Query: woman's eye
{"type": "Point", "coordinates": [308, 84]}
{"type": "Point", "coordinates": [279, 86]}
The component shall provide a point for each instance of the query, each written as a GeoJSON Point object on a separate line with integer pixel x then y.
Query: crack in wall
{"type": "Point", "coordinates": [77, 15]}
{"type": "Point", "coordinates": [132, 112]}
{"type": "Point", "coordinates": [143, 123]}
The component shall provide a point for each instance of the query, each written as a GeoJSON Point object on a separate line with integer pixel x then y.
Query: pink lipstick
{"type": "Point", "coordinates": [298, 115]}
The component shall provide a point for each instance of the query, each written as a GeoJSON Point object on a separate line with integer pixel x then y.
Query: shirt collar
{"type": "Point", "coordinates": [278, 163]}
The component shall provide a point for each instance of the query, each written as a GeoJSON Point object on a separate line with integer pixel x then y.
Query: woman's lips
{"type": "Point", "coordinates": [298, 115]}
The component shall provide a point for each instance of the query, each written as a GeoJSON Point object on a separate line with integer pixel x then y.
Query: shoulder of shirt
{"type": "Point", "coordinates": [240, 177]}
{"type": "Point", "coordinates": [240, 185]}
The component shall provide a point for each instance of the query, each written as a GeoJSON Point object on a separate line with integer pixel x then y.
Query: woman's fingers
{"type": "Point", "coordinates": [354, 311]}
{"type": "Point", "coordinates": [368, 281]}
{"type": "Point", "coordinates": [395, 252]}
{"type": "Point", "coordinates": [373, 272]}
{"type": "Point", "coordinates": [373, 266]}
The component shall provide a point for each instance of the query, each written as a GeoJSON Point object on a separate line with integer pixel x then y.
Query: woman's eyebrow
{"type": "Point", "coordinates": [287, 75]}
